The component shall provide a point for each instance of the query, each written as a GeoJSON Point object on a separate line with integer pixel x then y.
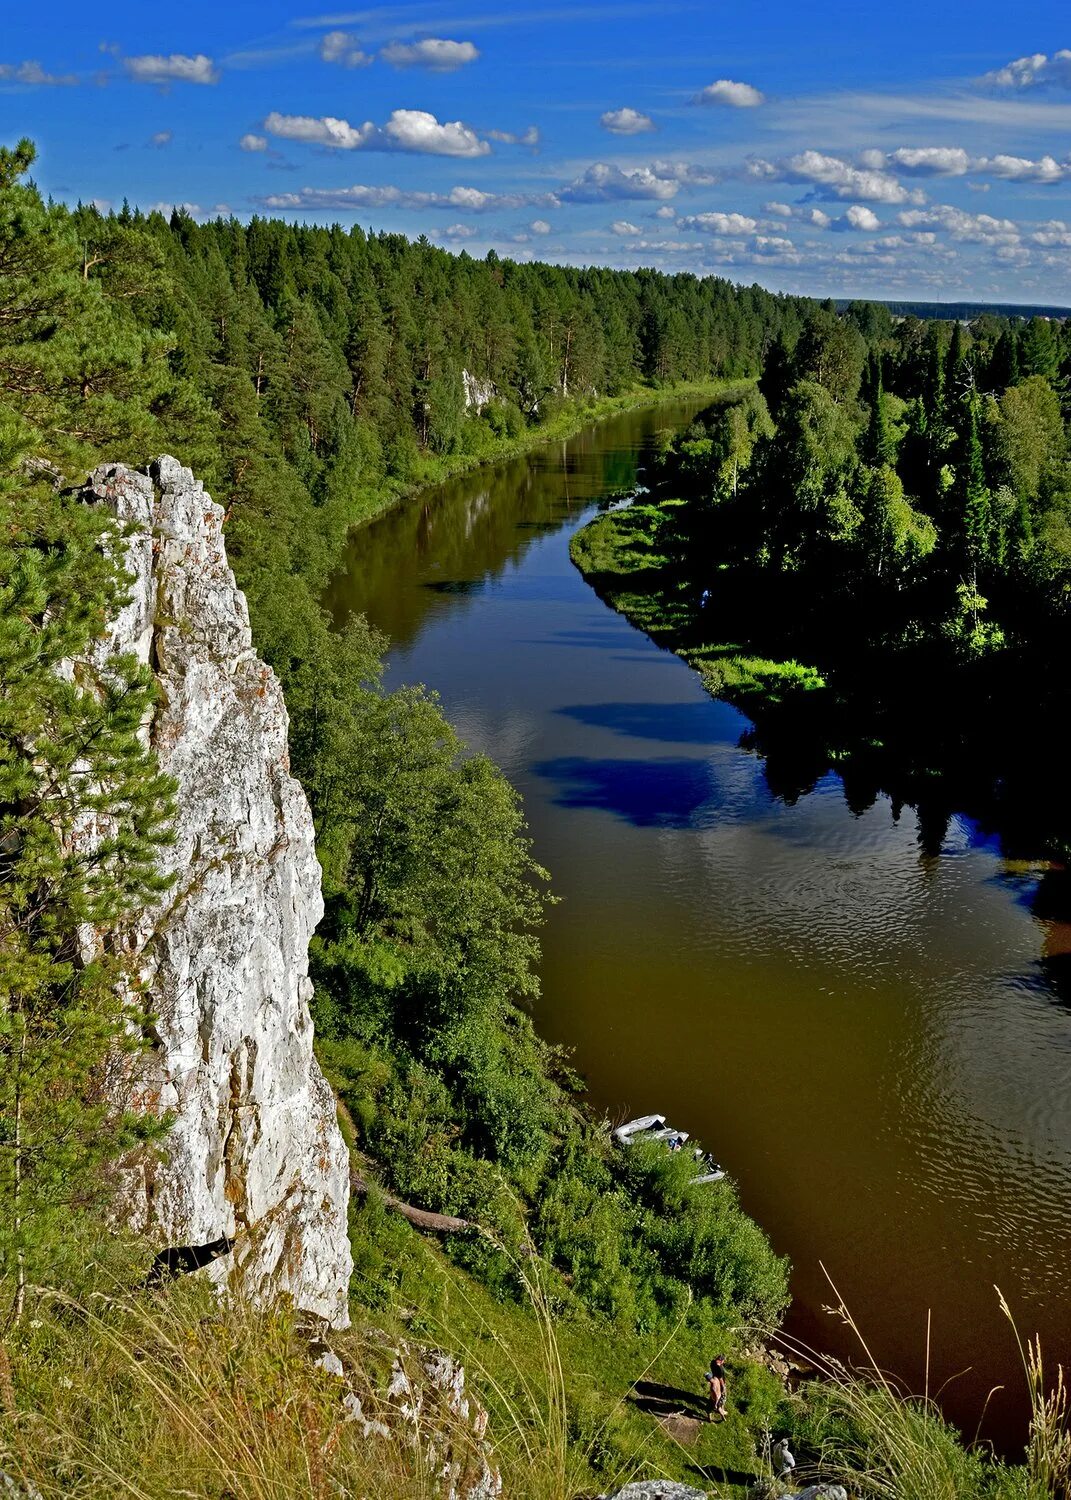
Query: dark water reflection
{"type": "Point", "coordinates": [862, 1008]}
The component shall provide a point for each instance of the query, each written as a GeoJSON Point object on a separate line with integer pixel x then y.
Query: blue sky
{"type": "Point", "coordinates": [908, 150]}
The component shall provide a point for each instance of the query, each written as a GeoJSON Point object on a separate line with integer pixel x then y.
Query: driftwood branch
{"type": "Point", "coordinates": [420, 1218]}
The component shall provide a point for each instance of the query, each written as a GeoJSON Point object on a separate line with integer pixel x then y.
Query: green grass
{"type": "Point", "coordinates": [623, 555]}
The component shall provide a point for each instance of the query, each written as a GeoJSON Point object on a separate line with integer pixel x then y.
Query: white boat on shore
{"type": "Point", "coordinates": [654, 1128]}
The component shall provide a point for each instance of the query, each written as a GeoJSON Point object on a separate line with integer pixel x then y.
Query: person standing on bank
{"type": "Point", "coordinates": [717, 1388]}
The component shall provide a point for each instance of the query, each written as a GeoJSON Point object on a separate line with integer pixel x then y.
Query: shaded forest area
{"type": "Point", "coordinates": [871, 552]}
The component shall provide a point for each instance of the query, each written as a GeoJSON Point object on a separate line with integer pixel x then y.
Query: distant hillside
{"type": "Point", "coordinates": [956, 311]}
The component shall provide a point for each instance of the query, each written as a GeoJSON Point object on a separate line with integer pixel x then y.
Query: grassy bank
{"type": "Point", "coordinates": [623, 555]}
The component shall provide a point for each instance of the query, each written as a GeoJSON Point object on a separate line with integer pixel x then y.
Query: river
{"type": "Point", "coordinates": [863, 1031]}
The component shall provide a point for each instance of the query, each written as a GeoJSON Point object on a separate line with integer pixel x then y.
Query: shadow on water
{"type": "Point", "coordinates": [669, 793]}
{"type": "Point", "coordinates": [454, 585]}
{"type": "Point", "coordinates": [703, 723]}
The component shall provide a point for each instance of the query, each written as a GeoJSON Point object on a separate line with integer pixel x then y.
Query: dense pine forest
{"type": "Point", "coordinates": [870, 549]}
{"type": "Point", "coordinates": [310, 376]}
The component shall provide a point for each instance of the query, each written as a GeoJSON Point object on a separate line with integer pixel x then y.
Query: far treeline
{"type": "Point", "coordinates": [870, 549]}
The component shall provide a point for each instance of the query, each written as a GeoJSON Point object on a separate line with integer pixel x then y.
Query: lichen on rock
{"type": "Point", "coordinates": [255, 1152]}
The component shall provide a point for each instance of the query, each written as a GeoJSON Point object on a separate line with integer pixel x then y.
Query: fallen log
{"type": "Point", "coordinates": [420, 1218]}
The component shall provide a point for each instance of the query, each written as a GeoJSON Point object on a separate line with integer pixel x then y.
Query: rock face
{"type": "Point", "coordinates": [255, 1153]}
{"type": "Point", "coordinates": [657, 1489]}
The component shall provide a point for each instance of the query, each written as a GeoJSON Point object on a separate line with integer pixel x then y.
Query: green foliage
{"type": "Point", "coordinates": [83, 814]}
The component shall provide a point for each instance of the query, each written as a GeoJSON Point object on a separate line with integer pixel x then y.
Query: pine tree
{"type": "Point", "coordinates": [879, 446]}
{"type": "Point", "coordinates": [83, 814]}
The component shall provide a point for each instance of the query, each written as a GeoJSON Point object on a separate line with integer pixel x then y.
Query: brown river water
{"type": "Point", "coordinates": [865, 1034]}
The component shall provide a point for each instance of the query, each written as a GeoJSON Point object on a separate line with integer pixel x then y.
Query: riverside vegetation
{"type": "Point", "coordinates": [310, 375]}
{"type": "Point", "coordinates": [870, 552]}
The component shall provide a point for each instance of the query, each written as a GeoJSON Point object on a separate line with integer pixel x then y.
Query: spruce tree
{"type": "Point", "coordinates": [83, 814]}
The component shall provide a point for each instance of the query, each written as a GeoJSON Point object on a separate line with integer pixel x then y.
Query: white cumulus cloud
{"type": "Point", "coordinates": [726, 91]}
{"type": "Point", "coordinates": [438, 54]}
{"type": "Point", "coordinates": [34, 75]}
{"type": "Point", "coordinates": [1023, 169]}
{"type": "Point", "coordinates": [834, 177]}
{"type": "Point", "coordinates": [626, 121]}
{"type": "Point", "coordinates": [1035, 70]}
{"type": "Point", "coordinates": [539, 226]}
{"type": "Point", "coordinates": [720, 223]}
{"type": "Point", "coordinates": [623, 226]}
{"type": "Point", "coordinates": [935, 161]}
{"type": "Point", "coordinates": [861, 217]}
{"type": "Point", "coordinates": [981, 229]}
{"type": "Point", "coordinates": [176, 67]}
{"type": "Point", "coordinates": [251, 142]}
{"type": "Point", "coordinates": [602, 183]}
{"type": "Point", "coordinates": [406, 130]}
{"type": "Point", "coordinates": [343, 48]}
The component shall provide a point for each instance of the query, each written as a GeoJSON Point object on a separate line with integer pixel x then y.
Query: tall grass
{"type": "Point", "coordinates": [181, 1396]}
{"type": "Point", "coordinates": [886, 1443]}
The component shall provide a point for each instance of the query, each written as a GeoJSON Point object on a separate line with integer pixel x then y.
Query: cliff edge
{"type": "Point", "coordinates": [255, 1153]}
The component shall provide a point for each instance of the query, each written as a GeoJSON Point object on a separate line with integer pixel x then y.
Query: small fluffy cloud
{"type": "Point", "coordinates": [343, 48]}
{"type": "Point", "coordinates": [434, 53]}
{"type": "Point", "coordinates": [626, 121]}
{"type": "Point", "coordinates": [174, 68]}
{"type": "Point", "coordinates": [667, 211]}
{"type": "Point", "coordinates": [929, 161]}
{"type": "Point", "coordinates": [459, 232]}
{"type": "Point", "coordinates": [981, 229]}
{"type": "Point", "coordinates": [539, 226]}
{"type": "Point", "coordinates": [720, 223]}
{"type": "Point", "coordinates": [252, 142]}
{"type": "Point", "coordinates": [528, 137]}
{"type": "Point", "coordinates": [602, 183]}
{"type": "Point", "coordinates": [161, 138]}
{"type": "Point", "coordinates": [861, 217]}
{"type": "Point", "coordinates": [1022, 169]}
{"type": "Point", "coordinates": [416, 130]}
{"type": "Point", "coordinates": [726, 91]}
{"type": "Point", "coordinates": [33, 75]}
{"type": "Point", "coordinates": [1053, 235]}
{"type": "Point", "coordinates": [624, 227]}
{"type": "Point", "coordinates": [953, 161]}
{"type": "Point", "coordinates": [1035, 71]}
{"type": "Point", "coordinates": [406, 130]}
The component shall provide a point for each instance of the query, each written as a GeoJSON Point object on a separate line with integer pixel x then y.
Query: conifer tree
{"type": "Point", "coordinates": [83, 814]}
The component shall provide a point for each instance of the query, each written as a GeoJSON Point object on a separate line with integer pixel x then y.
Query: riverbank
{"type": "Point", "coordinates": [622, 554]}
{"type": "Point", "coordinates": [488, 445]}
{"type": "Point", "coordinates": [918, 720]}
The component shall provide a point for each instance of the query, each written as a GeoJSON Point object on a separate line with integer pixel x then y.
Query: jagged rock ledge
{"type": "Point", "coordinates": [255, 1153]}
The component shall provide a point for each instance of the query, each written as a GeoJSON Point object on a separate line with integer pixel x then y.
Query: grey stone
{"type": "Point", "coordinates": [657, 1489]}
{"type": "Point", "coordinates": [255, 1152]}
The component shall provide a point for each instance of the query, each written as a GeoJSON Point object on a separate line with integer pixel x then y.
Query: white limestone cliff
{"type": "Point", "coordinates": [255, 1153]}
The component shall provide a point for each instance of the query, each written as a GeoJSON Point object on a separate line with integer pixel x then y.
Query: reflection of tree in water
{"type": "Point", "coordinates": [456, 536]}
{"type": "Point", "coordinates": [946, 755]}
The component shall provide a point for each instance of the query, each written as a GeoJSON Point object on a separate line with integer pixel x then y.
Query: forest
{"type": "Point", "coordinates": [870, 549]}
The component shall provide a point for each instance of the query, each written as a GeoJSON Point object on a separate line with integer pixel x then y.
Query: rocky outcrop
{"type": "Point", "coordinates": [478, 393]}
{"type": "Point", "coordinates": [255, 1154]}
{"type": "Point", "coordinates": [657, 1489]}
